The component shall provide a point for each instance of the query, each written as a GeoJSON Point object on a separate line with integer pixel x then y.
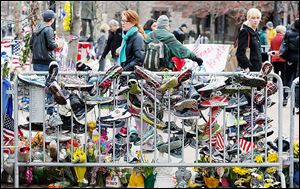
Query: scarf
{"type": "Point", "coordinates": [125, 37]}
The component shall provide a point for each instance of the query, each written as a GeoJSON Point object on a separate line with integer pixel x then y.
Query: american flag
{"type": "Point", "coordinates": [16, 47]}
{"type": "Point", "coordinates": [245, 145]}
{"type": "Point", "coordinates": [8, 132]}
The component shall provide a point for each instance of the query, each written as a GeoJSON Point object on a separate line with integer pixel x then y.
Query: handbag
{"type": "Point", "coordinates": [283, 50]}
{"type": "Point", "coordinates": [232, 63]}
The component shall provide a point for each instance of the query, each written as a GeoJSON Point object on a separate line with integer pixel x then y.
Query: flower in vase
{"type": "Point", "coordinates": [259, 159]}
{"type": "Point", "coordinates": [272, 156]}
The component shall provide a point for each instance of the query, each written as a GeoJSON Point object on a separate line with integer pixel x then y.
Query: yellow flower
{"type": "Point", "coordinates": [272, 157]}
{"type": "Point", "coordinates": [296, 149]}
{"type": "Point", "coordinates": [241, 171]}
{"type": "Point", "coordinates": [67, 20]}
{"type": "Point", "coordinates": [259, 177]}
{"type": "Point", "coordinates": [271, 170]}
{"type": "Point", "coordinates": [267, 185]}
{"type": "Point", "coordinates": [248, 179]}
{"type": "Point", "coordinates": [259, 159]}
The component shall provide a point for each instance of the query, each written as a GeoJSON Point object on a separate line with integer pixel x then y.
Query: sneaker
{"type": "Point", "coordinates": [215, 101]}
{"type": "Point", "coordinates": [34, 126]}
{"type": "Point", "coordinates": [59, 97]}
{"type": "Point", "coordinates": [248, 80]}
{"type": "Point", "coordinates": [97, 99]}
{"type": "Point", "coordinates": [38, 81]}
{"type": "Point", "coordinates": [123, 132]}
{"type": "Point", "coordinates": [211, 87]}
{"type": "Point", "coordinates": [177, 153]}
{"type": "Point", "coordinates": [187, 114]}
{"type": "Point", "coordinates": [112, 73]}
{"type": "Point", "coordinates": [233, 102]}
{"type": "Point", "coordinates": [163, 146]}
{"type": "Point", "coordinates": [55, 120]}
{"type": "Point", "coordinates": [259, 131]}
{"type": "Point", "coordinates": [112, 124]}
{"type": "Point", "coordinates": [266, 69]}
{"type": "Point", "coordinates": [184, 76]}
{"type": "Point", "coordinates": [133, 85]}
{"type": "Point", "coordinates": [152, 79]}
{"type": "Point", "coordinates": [75, 83]}
{"type": "Point", "coordinates": [193, 94]}
{"type": "Point", "coordinates": [171, 83]}
{"type": "Point", "coordinates": [231, 132]}
{"type": "Point", "coordinates": [259, 98]}
{"type": "Point", "coordinates": [236, 87]}
{"type": "Point", "coordinates": [188, 103]}
{"type": "Point", "coordinates": [146, 136]}
{"type": "Point", "coordinates": [150, 119]}
{"type": "Point", "coordinates": [173, 127]}
{"type": "Point", "coordinates": [118, 113]}
{"type": "Point", "coordinates": [204, 136]}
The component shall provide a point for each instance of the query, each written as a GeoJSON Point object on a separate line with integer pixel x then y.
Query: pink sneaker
{"type": "Point", "coordinates": [123, 132]}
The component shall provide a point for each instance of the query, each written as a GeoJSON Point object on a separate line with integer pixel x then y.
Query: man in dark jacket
{"type": "Point", "coordinates": [180, 33]}
{"type": "Point", "coordinates": [114, 41]}
{"type": "Point", "coordinates": [172, 47]}
{"type": "Point", "coordinates": [291, 38]}
{"type": "Point", "coordinates": [42, 43]}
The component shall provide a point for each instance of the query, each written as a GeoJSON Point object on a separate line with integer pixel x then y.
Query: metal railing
{"type": "Point", "coordinates": [184, 162]}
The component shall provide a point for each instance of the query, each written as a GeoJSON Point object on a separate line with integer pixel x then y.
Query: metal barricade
{"type": "Point", "coordinates": [191, 162]}
{"type": "Point", "coordinates": [292, 160]}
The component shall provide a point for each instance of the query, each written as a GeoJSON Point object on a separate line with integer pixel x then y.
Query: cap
{"type": "Point", "coordinates": [163, 22]}
{"type": "Point", "coordinates": [183, 25]}
{"type": "Point", "coordinates": [48, 14]}
{"type": "Point", "coordinates": [269, 24]}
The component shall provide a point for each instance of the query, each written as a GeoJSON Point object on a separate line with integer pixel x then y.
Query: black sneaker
{"type": "Point", "coordinates": [173, 127]}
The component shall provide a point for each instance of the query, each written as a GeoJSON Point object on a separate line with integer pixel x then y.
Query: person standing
{"type": "Point", "coordinates": [114, 41]}
{"type": "Point", "coordinates": [150, 25]}
{"type": "Point", "coordinates": [88, 14]}
{"type": "Point", "coordinates": [271, 32]}
{"type": "Point", "coordinates": [42, 43]}
{"type": "Point", "coordinates": [173, 48]}
{"type": "Point", "coordinates": [180, 33]}
{"type": "Point", "coordinates": [291, 39]}
{"type": "Point", "coordinates": [249, 37]}
{"type": "Point", "coordinates": [278, 62]}
{"type": "Point", "coordinates": [263, 36]}
{"type": "Point", "coordinates": [132, 50]}
{"type": "Point", "coordinates": [101, 42]}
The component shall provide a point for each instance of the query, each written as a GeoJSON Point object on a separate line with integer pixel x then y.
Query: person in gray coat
{"type": "Point", "coordinates": [88, 14]}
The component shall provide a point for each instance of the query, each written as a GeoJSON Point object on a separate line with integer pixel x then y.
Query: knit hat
{"type": "Point", "coordinates": [48, 14]}
{"type": "Point", "coordinates": [162, 22]}
{"type": "Point", "coordinates": [269, 24]}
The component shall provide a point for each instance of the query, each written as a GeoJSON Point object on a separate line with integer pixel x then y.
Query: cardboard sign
{"type": "Point", "coordinates": [214, 56]}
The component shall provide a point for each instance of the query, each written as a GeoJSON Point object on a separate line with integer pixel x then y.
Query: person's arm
{"type": "Point", "coordinates": [138, 49]}
{"type": "Point", "coordinates": [179, 50]}
{"type": "Point", "coordinates": [107, 47]}
{"type": "Point", "coordinates": [242, 59]}
{"type": "Point", "coordinates": [51, 44]}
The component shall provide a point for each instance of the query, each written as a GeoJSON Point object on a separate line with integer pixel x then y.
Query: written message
{"type": "Point", "coordinates": [214, 56]}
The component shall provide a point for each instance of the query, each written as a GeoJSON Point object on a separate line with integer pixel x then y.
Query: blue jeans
{"type": "Point", "coordinates": [50, 97]}
{"type": "Point", "coordinates": [40, 67]}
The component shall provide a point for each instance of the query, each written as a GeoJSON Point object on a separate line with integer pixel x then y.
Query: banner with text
{"type": "Point", "coordinates": [214, 56]}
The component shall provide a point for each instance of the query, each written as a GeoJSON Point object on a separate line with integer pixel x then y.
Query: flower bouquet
{"type": "Point", "coordinates": [79, 157]}
{"type": "Point", "coordinates": [148, 172]}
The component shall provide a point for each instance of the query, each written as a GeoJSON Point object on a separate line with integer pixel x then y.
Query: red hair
{"type": "Point", "coordinates": [133, 18]}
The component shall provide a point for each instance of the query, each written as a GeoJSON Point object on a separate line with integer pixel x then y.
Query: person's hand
{"type": "Point", "coordinates": [247, 70]}
{"type": "Point", "coordinates": [199, 61]}
{"type": "Point", "coordinates": [273, 53]}
{"type": "Point", "coordinates": [118, 51]}
{"type": "Point", "coordinates": [60, 44]}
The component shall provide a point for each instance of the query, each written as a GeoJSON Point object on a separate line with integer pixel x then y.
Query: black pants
{"type": "Point", "coordinates": [290, 75]}
{"type": "Point", "coordinates": [279, 67]}
{"type": "Point", "coordinates": [84, 25]}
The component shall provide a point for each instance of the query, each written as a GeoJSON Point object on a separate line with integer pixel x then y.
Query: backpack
{"type": "Point", "coordinates": [154, 54]}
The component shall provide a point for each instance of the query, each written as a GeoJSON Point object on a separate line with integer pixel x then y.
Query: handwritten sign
{"type": "Point", "coordinates": [214, 56]}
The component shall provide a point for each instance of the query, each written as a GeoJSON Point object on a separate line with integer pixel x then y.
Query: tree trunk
{"type": "Point", "coordinates": [212, 27]}
{"type": "Point", "coordinates": [276, 19]}
{"type": "Point", "coordinates": [285, 13]}
{"type": "Point", "coordinates": [36, 18]}
{"type": "Point", "coordinates": [17, 15]}
{"type": "Point", "coordinates": [223, 29]}
{"type": "Point", "coordinates": [75, 29]}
